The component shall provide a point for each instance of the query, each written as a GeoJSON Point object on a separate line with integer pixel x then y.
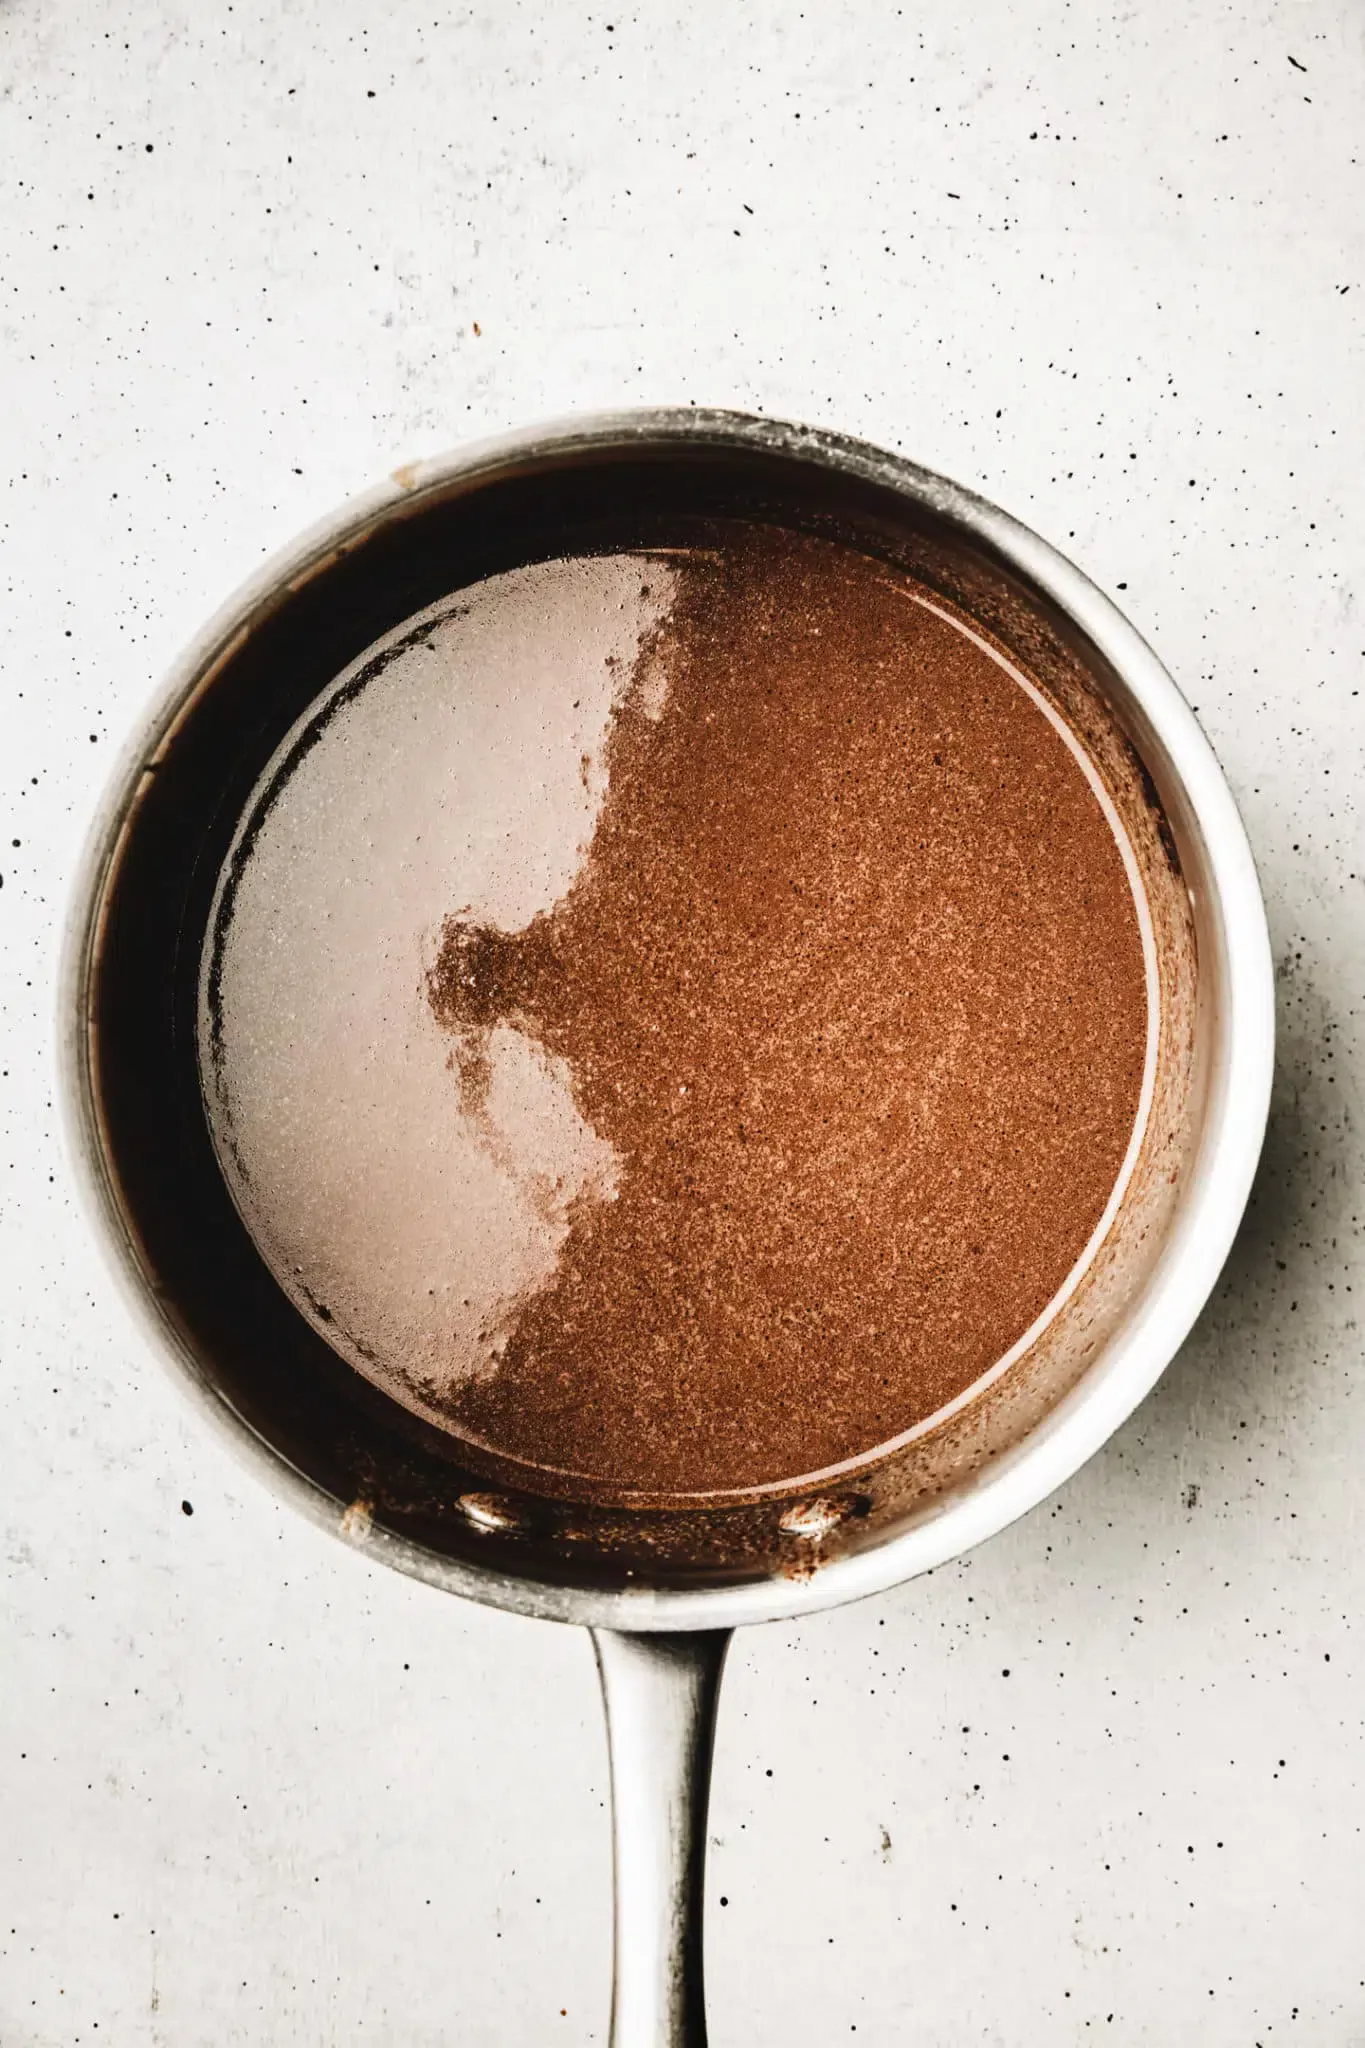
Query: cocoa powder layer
{"type": "Point", "coordinates": [851, 979]}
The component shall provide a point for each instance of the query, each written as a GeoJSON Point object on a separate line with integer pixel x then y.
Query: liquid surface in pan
{"type": "Point", "coordinates": [679, 1020]}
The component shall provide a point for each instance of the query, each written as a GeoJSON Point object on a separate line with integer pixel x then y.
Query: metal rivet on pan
{"type": "Point", "coordinates": [812, 1519]}
{"type": "Point", "coordinates": [488, 1511]}
{"type": "Point", "coordinates": [357, 1521]}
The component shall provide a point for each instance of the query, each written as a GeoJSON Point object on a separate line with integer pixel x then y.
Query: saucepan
{"type": "Point", "coordinates": [660, 1588]}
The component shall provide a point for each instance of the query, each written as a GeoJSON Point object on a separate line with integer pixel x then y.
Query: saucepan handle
{"type": "Point", "coordinates": [660, 1693]}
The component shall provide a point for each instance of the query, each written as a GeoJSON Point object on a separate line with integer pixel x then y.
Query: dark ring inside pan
{"type": "Point", "coordinates": [264, 1360]}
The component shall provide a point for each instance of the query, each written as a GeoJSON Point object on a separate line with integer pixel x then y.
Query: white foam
{"type": "Point", "coordinates": [464, 775]}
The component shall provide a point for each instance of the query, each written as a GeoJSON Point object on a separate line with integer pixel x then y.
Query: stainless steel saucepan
{"type": "Point", "coordinates": [660, 1589]}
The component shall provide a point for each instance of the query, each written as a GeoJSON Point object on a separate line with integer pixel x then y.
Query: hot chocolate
{"type": "Point", "coordinates": [680, 1020]}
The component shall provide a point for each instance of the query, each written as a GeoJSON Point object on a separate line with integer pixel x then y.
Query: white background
{"type": "Point", "coordinates": [1104, 263]}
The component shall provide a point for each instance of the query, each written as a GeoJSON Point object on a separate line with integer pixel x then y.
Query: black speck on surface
{"type": "Point", "coordinates": [186, 1507]}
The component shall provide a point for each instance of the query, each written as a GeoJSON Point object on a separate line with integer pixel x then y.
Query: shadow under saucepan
{"type": "Point", "coordinates": [1269, 1347]}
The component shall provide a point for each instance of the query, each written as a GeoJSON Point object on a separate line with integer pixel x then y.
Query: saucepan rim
{"type": "Point", "coordinates": [1233, 1122]}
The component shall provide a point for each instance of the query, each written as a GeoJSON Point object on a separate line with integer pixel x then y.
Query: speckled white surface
{"type": "Point", "coordinates": [1105, 1779]}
